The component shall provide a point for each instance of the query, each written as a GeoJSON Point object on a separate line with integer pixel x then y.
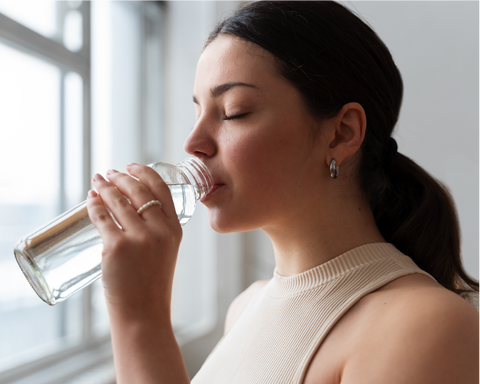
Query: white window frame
{"type": "Point", "coordinates": [22, 38]}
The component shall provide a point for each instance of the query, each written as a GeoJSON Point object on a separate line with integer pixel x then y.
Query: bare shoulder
{"type": "Point", "coordinates": [414, 331]}
{"type": "Point", "coordinates": [240, 303]}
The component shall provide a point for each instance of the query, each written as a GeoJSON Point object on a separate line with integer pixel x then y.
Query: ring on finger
{"type": "Point", "coordinates": [148, 205]}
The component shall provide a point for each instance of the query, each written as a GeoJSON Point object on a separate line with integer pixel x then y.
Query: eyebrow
{"type": "Point", "coordinates": [222, 88]}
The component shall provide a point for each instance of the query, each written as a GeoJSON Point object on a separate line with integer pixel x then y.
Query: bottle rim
{"type": "Point", "coordinates": [198, 175]}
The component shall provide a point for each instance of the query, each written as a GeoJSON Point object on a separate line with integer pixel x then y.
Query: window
{"type": "Point", "coordinates": [70, 71]}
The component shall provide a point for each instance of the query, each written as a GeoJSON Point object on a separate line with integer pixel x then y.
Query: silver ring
{"type": "Point", "coordinates": [148, 205]}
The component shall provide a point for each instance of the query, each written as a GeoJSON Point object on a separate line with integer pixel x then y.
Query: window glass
{"type": "Point", "coordinates": [116, 85]}
{"type": "Point", "coordinates": [72, 30]}
{"type": "Point", "coordinates": [41, 16]}
{"type": "Point", "coordinates": [116, 108]}
{"type": "Point", "coordinates": [30, 195]}
{"type": "Point", "coordinates": [153, 112]}
{"type": "Point", "coordinates": [58, 20]}
{"type": "Point", "coordinates": [100, 319]}
{"type": "Point", "coordinates": [73, 141]}
{"type": "Point", "coordinates": [126, 130]}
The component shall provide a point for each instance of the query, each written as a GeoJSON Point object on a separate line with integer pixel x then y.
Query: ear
{"type": "Point", "coordinates": [347, 133]}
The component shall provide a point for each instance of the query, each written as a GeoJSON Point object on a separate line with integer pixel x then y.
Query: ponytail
{"type": "Point", "coordinates": [417, 214]}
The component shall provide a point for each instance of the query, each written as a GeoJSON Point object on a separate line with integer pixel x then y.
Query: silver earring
{"type": "Point", "coordinates": [333, 169]}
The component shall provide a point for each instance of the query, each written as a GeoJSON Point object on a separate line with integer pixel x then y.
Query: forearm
{"type": "Point", "coordinates": [146, 352]}
{"type": "Point", "coordinates": [138, 265]}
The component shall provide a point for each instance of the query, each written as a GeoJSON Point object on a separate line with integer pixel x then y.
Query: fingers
{"type": "Point", "coordinates": [123, 212]}
{"type": "Point", "coordinates": [156, 186]}
{"type": "Point", "coordinates": [138, 194]}
{"type": "Point", "coordinates": [148, 187]}
{"type": "Point", "coordinates": [100, 217]}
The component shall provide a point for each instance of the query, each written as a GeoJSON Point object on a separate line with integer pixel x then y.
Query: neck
{"type": "Point", "coordinates": [315, 236]}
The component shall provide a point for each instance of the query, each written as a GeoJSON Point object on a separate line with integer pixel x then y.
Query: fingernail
{"type": "Point", "coordinates": [98, 177]}
{"type": "Point", "coordinates": [92, 194]}
{"type": "Point", "coordinates": [111, 171]}
{"type": "Point", "coordinates": [131, 164]}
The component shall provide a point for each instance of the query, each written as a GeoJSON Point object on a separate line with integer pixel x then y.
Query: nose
{"type": "Point", "coordinates": [200, 142]}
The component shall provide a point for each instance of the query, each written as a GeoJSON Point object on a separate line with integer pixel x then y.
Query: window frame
{"type": "Point", "coordinates": [22, 38]}
{"type": "Point", "coordinates": [92, 350]}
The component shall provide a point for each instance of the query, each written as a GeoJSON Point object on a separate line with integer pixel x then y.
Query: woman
{"type": "Point", "coordinates": [296, 103]}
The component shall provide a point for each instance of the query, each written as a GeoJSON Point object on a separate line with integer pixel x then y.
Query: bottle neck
{"type": "Point", "coordinates": [198, 175]}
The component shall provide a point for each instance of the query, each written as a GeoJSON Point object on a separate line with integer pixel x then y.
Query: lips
{"type": "Point", "coordinates": [216, 186]}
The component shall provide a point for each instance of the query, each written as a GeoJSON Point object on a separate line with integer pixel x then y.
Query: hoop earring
{"type": "Point", "coordinates": [334, 170]}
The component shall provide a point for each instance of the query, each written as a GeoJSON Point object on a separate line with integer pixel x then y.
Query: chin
{"type": "Point", "coordinates": [223, 224]}
{"type": "Point", "coordinates": [221, 227]}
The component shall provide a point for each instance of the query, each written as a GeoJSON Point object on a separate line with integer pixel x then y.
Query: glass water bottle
{"type": "Point", "coordinates": [64, 256]}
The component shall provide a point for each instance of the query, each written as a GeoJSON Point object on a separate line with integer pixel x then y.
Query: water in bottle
{"type": "Point", "coordinates": [65, 254]}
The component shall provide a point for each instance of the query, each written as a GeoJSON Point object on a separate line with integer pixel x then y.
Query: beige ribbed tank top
{"type": "Point", "coordinates": [282, 327]}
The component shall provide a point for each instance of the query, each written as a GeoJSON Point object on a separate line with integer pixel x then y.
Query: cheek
{"type": "Point", "coordinates": [240, 151]}
{"type": "Point", "coordinates": [251, 157]}
{"type": "Point", "coordinates": [260, 165]}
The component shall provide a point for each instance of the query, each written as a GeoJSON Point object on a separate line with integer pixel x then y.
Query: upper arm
{"type": "Point", "coordinates": [423, 342]}
{"type": "Point", "coordinates": [240, 303]}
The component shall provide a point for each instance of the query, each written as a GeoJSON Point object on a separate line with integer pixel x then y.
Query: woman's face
{"type": "Point", "coordinates": [255, 135]}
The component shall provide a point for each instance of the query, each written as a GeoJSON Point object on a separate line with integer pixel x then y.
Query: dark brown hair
{"type": "Point", "coordinates": [333, 58]}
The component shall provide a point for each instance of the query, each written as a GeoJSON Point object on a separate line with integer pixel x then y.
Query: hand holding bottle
{"type": "Point", "coordinates": [138, 260]}
{"type": "Point", "coordinates": [65, 255]}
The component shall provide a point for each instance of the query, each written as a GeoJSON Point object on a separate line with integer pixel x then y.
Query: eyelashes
{"type": "Point", "coordinates": [234, 117]}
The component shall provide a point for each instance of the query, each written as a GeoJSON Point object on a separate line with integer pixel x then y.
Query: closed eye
{"type": "Point", "coordinates": [233, 117]}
